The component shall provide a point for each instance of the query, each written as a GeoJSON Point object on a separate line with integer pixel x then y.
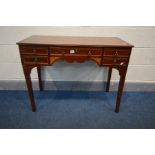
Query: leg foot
{"type": "Point", "coordinates": [34, 109]}
{"type": "Point", "coordinates": [116, 110]}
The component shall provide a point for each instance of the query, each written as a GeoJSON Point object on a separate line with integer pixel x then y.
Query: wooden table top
{"type": "Point", "coordinates": [75, 41]}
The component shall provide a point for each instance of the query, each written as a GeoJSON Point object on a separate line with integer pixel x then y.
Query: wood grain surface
{"type": "Point", "coordinates": [75, 41]}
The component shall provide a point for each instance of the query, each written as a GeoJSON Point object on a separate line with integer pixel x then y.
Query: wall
{"type": "Point", "coordinates": [141, 66]}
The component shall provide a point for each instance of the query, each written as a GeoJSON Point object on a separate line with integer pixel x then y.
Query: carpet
{"type": "Point", "coordinates": [77, 110]}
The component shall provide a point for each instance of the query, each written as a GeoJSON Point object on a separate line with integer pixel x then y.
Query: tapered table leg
{"type": "Point", "coordinates": [109, 78]}
{"type": "Point", "coordinates": [120, 91]}
{"type": "Point", "coordinates": [39, 78]}
{"type": "Point", "coordinates": [29, 87]}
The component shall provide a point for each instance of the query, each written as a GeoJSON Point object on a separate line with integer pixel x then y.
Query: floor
{"type": "Point", "coordinates": [77, 110]}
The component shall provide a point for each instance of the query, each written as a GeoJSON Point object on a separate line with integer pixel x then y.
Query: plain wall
{"type": "Point", "coordinates": [141, 67]}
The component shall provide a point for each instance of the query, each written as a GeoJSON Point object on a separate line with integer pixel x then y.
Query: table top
{"type": "Point", "coordinates": [75, 41]}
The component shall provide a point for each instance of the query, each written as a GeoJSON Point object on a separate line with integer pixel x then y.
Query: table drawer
{"type": "Point", "coordinates": [117, 52]}
{"type": "Point", "coordinates": [115, 61]}
{"type": "Point", "coordinates": [108, 61]}
{"type": "Point", "coordinates": [34, 50]}
{"type": "Point", "coordinates": [76, 50]}
{"type": "Point", "coordinates": [35, 60]}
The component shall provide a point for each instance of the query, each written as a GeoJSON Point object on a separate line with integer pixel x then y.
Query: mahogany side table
{"type": "Point", "coordinates": [37, 51]}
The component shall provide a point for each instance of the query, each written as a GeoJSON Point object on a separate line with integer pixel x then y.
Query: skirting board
{"type": "Point", "coordinates": [76, 85]}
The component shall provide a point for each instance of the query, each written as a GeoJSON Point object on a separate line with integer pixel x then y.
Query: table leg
{"type": "Point", "coordinates": [120, 90]}
{"type": "Point", "coordinates": [27, 72]}
{"type": "Point", "coordinates": [109, 78]}
{"type": "Point", "coordinates": [39, 78]}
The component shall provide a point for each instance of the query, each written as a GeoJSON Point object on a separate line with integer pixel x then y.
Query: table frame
{"type": "Point", "coordinates": [102, 60]}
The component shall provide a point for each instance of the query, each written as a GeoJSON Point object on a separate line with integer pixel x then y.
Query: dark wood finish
{"type": "Point", "coordinates": [122, 52]}
{"type": "Point", "coordinates": [39, 78]}
{"type": "Point", "coordinates": [109, 78]}
{"type": "Point", "coordinates": [27, 72]}
{"type": "Point", "coordinates": [120, 88]}
{"type": "Point", "coordinates": [37, 51]}
{"type": "Point", "coordinates": [34, 50]}
{"type": "Point", "coordinates": [35, 60]}
{"type": "Point", "coordinates": [78, 54]}
{"type": "Point", "coordinates": [75, 41]}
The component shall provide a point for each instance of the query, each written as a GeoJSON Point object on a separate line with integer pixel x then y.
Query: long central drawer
{"type": "Point", "coordinates": [75, 51]}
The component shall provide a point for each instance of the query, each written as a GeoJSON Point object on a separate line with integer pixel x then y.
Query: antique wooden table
{"type": "Point", "coordinates": [37, 51]}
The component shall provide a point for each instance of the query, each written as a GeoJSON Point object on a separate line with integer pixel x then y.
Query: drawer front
{"type": "Point", "coordinates": [75, 51]}
{"type": "Point", "coordinates": [35, 60]}
{"type": "Point", "coordinates": [115, 61]}
{"type": "Point", "coordinates": [34, 50]}
{"type": "Point", "coordinates": [108, 61]}
{"type": "Point", "coordinates": [117, 52]}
